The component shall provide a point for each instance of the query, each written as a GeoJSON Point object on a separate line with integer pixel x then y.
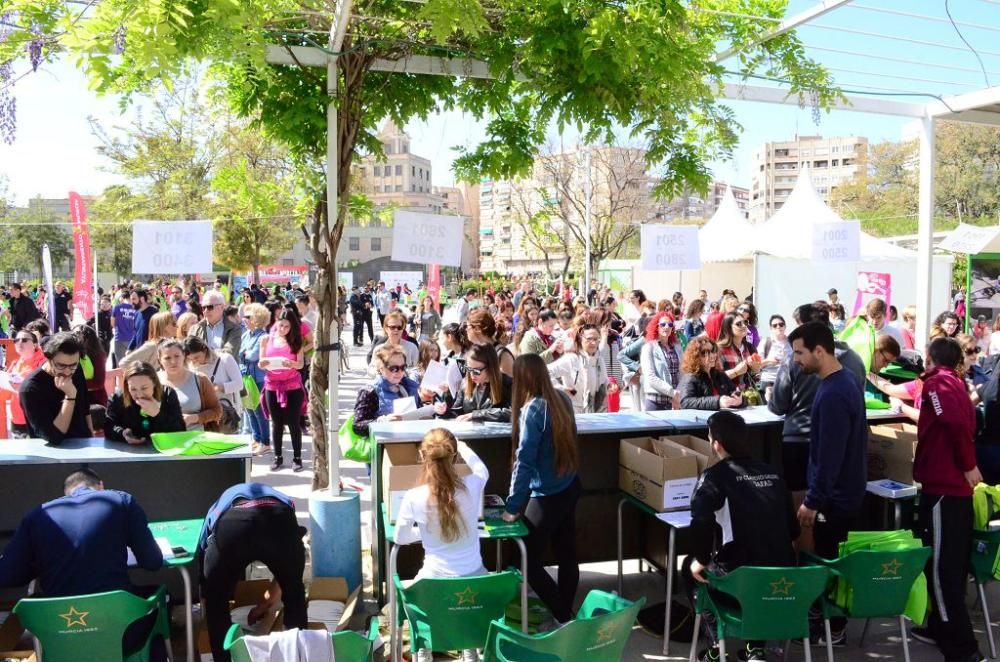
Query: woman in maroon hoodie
{"type": "Point", "coordinates": [945, 466]}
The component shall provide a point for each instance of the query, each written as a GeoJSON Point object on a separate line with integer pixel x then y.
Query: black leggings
{"type": "Point", "coordinates": [290, 416]}
{"type": "Point", "coordinates": [553, 518]}
{"type": "Point", "coordinates": [269, 534]}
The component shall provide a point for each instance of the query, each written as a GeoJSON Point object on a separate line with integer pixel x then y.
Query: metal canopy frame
{"type": "Point", "coordinates": [978, 107]}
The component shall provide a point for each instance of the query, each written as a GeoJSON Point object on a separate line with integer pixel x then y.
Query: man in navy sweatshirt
{"type": "Point", "coordinates": [945, 466]}
{"type": "Point", "coordinates": [838, 441]}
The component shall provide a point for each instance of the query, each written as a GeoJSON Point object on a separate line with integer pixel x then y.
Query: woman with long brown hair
{"type": "Point", "coordinates": [486, 393]}
{"type": "Point", "coordinates": [544, 487]}
{"type": "Point", "coordinates": [443, 514]}
{"type": "Point", "coordinates": [142, 408]}
{"type": "Point", "coordinates": [482, 328]}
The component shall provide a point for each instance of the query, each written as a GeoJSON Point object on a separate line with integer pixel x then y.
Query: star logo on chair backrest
{"type": "Point", "coordinates": [606, 633]}
{"type": "Point", "coordinates": [781, 587]}
{"type": "Point", "coordinates": [891, 568]}
{"type": "Point", "coordinates": [466, 597]}
{"type": "Point", "coordinates": [74, 617]}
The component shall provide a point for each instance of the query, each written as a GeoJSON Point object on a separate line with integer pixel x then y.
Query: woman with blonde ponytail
{"type": "Point", "coordinates": [443, 513]}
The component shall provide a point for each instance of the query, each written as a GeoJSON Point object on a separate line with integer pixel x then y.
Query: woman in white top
{"type": "Point", "coordinates": [220, 368]}
{"type": "Point", "coordinates": [443, 514]}
{"type": "Point", "coordinates": [581, 371]}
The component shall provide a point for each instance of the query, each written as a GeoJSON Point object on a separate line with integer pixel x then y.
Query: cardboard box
{"type": "Point", "coordinates": [334, 588]}
{"type": "Point", "coordinates": [401, 470]}
{"type": "Point", "coordinates": [660, 475]}
{"type": "Point", "coordinates": [702, 448]}
{"type": "Point", "coordinates": [890, 453]}
{"type": "Point", "coordinates": [250, 592]}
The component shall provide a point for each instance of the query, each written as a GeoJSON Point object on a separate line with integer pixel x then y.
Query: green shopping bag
{"type": "Point", "coordinates": [352, 445]}
{"type": "Point", "coordinates": [860, 336]}
{"type": "Point", "coordinates": [874, 403]}
{"type": "Point", "coordinates": [252, 399]}
{"type": "Point", "coordinates": [194, 442]}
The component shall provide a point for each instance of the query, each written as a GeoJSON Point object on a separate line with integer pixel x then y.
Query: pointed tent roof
{"type": "Point", "coordinates": [727, 236]}
{"type": "Point", "coordinates": [789, 232]}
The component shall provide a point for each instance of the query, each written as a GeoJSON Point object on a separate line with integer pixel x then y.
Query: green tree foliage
{"type": "Point", "coordinates": [23, 232]}
{"type": "Point", "coordinates": [591, 64]}
{"type": "Point", "coordinates": [884, 197]}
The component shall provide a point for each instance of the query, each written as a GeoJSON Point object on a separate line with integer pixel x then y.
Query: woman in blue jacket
{"type": "Point", "coordinates": [544, 487]}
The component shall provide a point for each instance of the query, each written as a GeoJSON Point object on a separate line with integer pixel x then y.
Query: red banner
{"type": "Point", "coordinates": [83, 283]}
{"type": "Point", "coordinates": [873, 285]}
{"type": "Point", "coordinates": [434, 285]}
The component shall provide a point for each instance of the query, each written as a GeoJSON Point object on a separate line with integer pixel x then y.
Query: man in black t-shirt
{"type": "Point", "coordinates": [62, 298]}
{"type": "Point", "coordinates": [54, 397]}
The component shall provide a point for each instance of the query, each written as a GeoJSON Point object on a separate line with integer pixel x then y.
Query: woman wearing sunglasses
{"type": "Point", "coordinates": [703, 385]}
{"type": "Point", "coordinates": [749, 314]}
{"type": "Point", "coordinates": [660, 360]}
{"type": "Point", "coordinates": [773, 351]}
{"type": "Point", "coordinates": [486, 392]}
{"type": "Point", "coordinates": [737, 356]}
{"type": "Point", "coordinates": [29, 359]}
{"type": "Point", "coordinates": [377, 402]}
{"type": "Point", "coordinates": [143, 407]}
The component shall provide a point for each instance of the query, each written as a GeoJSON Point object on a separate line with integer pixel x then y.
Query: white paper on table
{"type": "Point", "coordinates": [417, 413]}
{"type": "Point", "coordinates": [403, 405]}
{"type": "Point", "coordinates": [680, 519]}
{"type": "Point", "coordinates": [165, 549]}
{"type": "Point", "coordinates": [435, 375]}
{"type": "Point", "coordinates": [5, 381]}
{"type": "Point", "coordinates": [454, 378]}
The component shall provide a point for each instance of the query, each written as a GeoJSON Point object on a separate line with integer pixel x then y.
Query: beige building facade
{"type": "Point", "coordinates": [776, 167]}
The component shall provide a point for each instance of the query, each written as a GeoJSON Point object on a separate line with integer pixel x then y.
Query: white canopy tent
{"type": "Point", "coordinates": [727, 234]}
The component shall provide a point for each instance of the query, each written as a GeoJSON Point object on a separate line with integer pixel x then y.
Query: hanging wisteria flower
{"type": "Point", "coordinates": [118, 38]}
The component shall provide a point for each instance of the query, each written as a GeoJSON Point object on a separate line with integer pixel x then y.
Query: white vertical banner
{"type": "Point", "coordinates": [50, 301]}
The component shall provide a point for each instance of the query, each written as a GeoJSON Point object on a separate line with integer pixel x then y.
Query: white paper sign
{"type": "Point", "coordinates": [403, 405]}
{"type": "Point", "coordinates": [427, 239]}
{"type": "Point", "coordinates": [677, 493]}
{"type": "Point", "coordinates": [454, 378]}
{"type": "Point", "coordinates": [435, 375]}
{"type": "Point", "coordinates": [171, 247]}
{"type": "Point", "coordinates": [839, 241]}
{"type": "Point", "coordinates": [412, 279]}
{"type": "Point", "coordinates": [969, 239]}
{"type": "Point", "coordinates": [5, 381]}
{"type": "Point", "coordinates": [670, 248]}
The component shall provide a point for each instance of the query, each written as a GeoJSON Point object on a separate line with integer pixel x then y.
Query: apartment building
{"type": "Point", "coordinates": [776, 167]}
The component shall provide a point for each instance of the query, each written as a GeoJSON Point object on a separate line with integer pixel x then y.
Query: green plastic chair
{"type": "Point", "coordinates": [94, 623]}
{"type": "Point", "coordinates": [460, 609]}
{"type": "Point", "coordinates": [985, 547]}
{"type": "Point", "coordinates": [348, 646]}
{"type": "Point", "coordinates": [878, 585]}
{"type": "Point", "coordinates": [772, 603]}
{"type": "Point", "coordinates": [598, 633]}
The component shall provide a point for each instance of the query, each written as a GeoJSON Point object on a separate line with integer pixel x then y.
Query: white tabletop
{"type": "Point", "coordinates": [98, 449]}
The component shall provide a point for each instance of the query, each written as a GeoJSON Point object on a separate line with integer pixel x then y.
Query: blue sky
{"type": "Point", "coordinates": [55, 151]}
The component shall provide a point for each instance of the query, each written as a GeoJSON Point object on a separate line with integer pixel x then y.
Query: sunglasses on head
{"type": "Point", "coordinates": [395, 368]}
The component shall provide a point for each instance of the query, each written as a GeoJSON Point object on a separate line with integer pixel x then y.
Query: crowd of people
{"type": "Point", "coordinates": [536, 360]}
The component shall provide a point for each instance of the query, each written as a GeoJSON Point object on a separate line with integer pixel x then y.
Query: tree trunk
{"type": "Point", "coordinates": [324, 240]}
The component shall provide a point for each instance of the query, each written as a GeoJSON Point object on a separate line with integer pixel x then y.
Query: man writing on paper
{"type": "Point", "coordinates": [749, 502]}
{"type": "Point", "coordinates": [78, 544]}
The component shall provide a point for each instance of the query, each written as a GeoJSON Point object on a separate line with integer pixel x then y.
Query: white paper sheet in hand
{"type": "Point", "coordinates": [435, 375]}
{"type": "Point", "coordinates": [5, 381]}
{"type": "Point", "coordinates": [454, 379]}
{"type": "Point", "coordinates": [403, 405]}
{"type": "Point", "coordinates": [165, 549]}
{"type": "Point", "coordinates": [418, 413]}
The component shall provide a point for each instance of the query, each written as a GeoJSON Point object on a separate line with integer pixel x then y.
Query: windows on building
{"type": "Point", "coordinates": [376, 244]}
{"type": "Point", "coordinates": [354, 243]}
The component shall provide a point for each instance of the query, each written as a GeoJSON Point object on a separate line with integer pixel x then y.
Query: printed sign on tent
{"type": "Point", "coordinates": [670, 247]}
{"type": "Point", "coordinates": [171, 247]}
{"type": "Point", "coordinates": [839, 241]}
{"type": "Point", "coordinates": [427, 238]}
{"type": "Point", "coordinates": [873, 285]}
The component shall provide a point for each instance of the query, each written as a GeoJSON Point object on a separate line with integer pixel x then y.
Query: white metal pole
{"type": "Point", "coordinates": [588, 191]}
{"type": "Point", "coordinates": [333, 366]}
{"type": "Point", "coordinates": [925, 231]}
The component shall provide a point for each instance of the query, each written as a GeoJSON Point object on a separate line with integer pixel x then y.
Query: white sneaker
{"type": "Point", "coordinates": [470, 655]}
{"type": "Point", "coordinates": [424, 655]}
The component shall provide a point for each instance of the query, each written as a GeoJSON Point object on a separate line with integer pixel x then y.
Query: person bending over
{"type": "Point", "coordinates": [251, 522]}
